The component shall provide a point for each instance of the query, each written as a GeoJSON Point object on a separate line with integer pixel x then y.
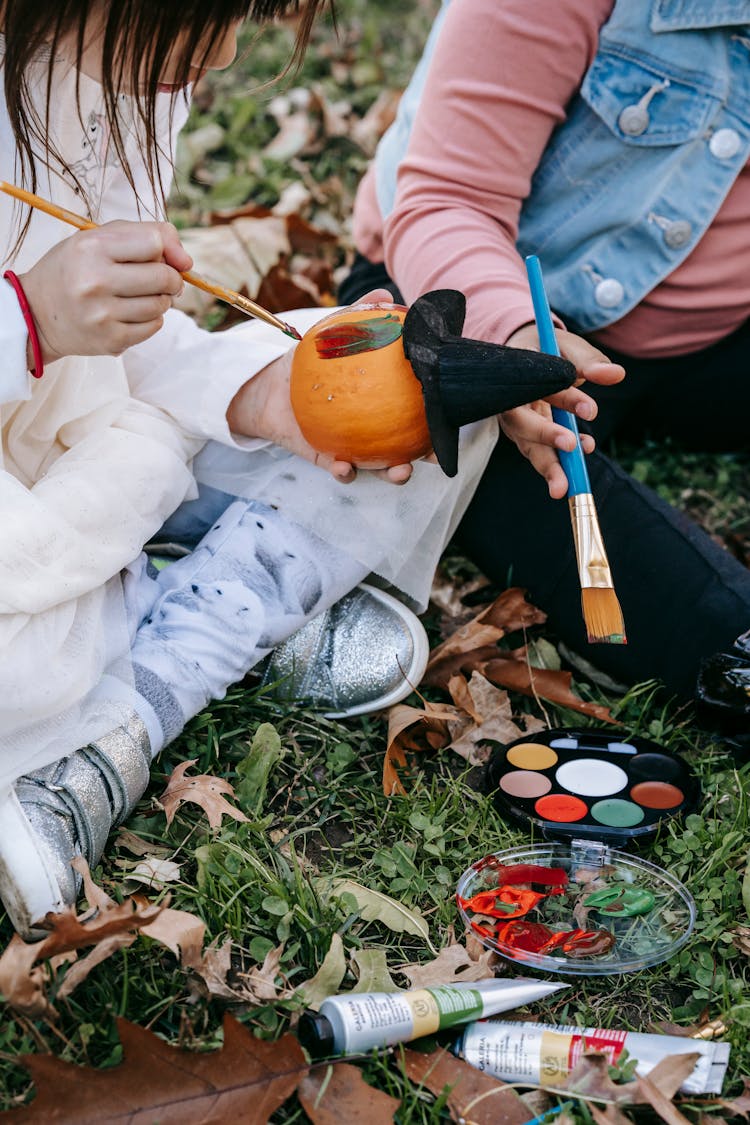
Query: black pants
{"type": "Point", "coordinates": [682, 596]}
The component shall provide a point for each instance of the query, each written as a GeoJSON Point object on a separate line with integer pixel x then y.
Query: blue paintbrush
{"type": "Point", "coordinates": [601, 609]}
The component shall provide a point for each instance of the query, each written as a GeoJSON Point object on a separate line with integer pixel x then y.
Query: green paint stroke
{"type": "Point", "coordinates": [341, 340]}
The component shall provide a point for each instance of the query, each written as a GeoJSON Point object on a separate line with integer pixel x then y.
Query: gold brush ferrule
{"type": "Point", "coordinates": [593, 564]}
{"type": "Point", "coordinates": [712, 1030]}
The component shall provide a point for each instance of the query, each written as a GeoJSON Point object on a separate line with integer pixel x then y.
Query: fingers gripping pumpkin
{"type": "Point", "coordinates": [380, 385]}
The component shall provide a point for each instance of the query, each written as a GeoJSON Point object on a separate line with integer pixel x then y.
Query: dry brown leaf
{"type": "Point", "coordinates": [473, 648]}
{"type": "Point", "coordinates": [23, 980]}
{"type": "Point", "coordinates": [659, 1102]}
{"type": "Point", "coordinates": [670, 1072]}
{"type": "Point", "coordinates": [212, 967]}
{"type": "Point", "coordinates": [203, 790]}
{"type": "Point", "coordinates": [474, 1098]}
{"type": "Point", "coordinates": [741, 939]}
{"type": "Point", "coordinates": [217, 976]}
{"type": "Point", "coordinates": [181, 932]}
{"type": "Point", "coordinates": [339, 1095]}
{"type": "Point", "coordinates": [368, 130]}
{"type": "Point", "coordinates": [132, 843]}
{"type": "Point", "coordinates": [281, 290]}
{"type": "Point", "coordinates": [450, 598]}
{"type": "Point", "coordinates": [107, 925]}
{"type": "Point", "coordinates": [259, 984]}
{"type": "Point", "coordinates": [741, 1104]}
{"type": "Point", "coordinates": [590, 1079]}
{"type": "Point", "coordinates": [411, 731]}
{"type": "Point", "coordinates": [458, 689]}
{"type": "Point", "coordinates": [246, 1080]}
{"type": "Point", "coordinates": [453, 963]}
{"type": "Point", "coordinates": [609, 1116]}
{"type": "Point", "coordinates": [476, 640]}
{"type": "Point", "coordinates": [681, 1030]}
{"type": "Point", "coordinates": [495, 723]}
{"type": "Point", "coordinates": [296, 134]}
{"type": "Point", "coordinates": [151, 872]}
{"type": "Point", "coordinates": [546, 683]}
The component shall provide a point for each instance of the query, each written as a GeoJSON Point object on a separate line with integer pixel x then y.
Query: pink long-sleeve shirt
{"type": "Point", "coordinates": [501, 77]}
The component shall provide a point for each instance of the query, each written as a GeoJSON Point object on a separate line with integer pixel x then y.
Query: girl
{"type": "Point", "coordinates": [611, 137]}
{"type": "Point", "coordinates": [106, 397]}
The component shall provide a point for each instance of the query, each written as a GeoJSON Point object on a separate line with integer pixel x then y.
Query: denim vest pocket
{"type": "Point", "coordinates": [647, 105]}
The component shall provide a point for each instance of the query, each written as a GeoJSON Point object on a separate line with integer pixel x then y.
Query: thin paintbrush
{"type": "Point", "coordinates": [601, 609]}
{"type": "Point", "coordinates": [236, 300]}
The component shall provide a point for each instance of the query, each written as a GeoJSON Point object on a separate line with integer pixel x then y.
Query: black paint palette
{"type": "Point", "coordinates": [591, 784]}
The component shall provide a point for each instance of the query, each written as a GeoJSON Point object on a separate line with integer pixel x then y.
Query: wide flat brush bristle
{"type": "Point", "coordinates": [603, 616]}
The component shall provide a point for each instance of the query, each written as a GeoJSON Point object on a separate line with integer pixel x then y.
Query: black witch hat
{"type": "Point", "coordinates": [465, 380]}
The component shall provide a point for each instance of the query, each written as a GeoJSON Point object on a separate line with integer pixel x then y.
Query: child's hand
{"type": "Point", "coordinates": [262, 408]}
{"type": "Point", "coordinates": [531, 427]}
{"type": "Point", "coordinates": [104, 290]}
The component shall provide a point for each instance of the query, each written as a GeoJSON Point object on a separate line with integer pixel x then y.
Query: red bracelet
{"type": "Point", "coordinates": [28, 316]}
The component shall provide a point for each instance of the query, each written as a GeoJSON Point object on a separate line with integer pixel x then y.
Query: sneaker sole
{"type": "Point", "coordinates": [28, 888]}
{"type": "Point", "coordinates": [412, 675]}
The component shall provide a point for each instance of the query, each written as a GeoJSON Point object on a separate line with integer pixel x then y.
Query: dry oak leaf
{"type": "Point", "coordinates": [609, 1116]}
{"type": "Point", "coordinates": [203, 790]}
{"type": "Point", "coordinates": [512, 670]}
{"type": "Point", "coordinates": [339, 1095]}
{"type": "Point", "coordinates": [491, 710]}
{"type": "Point", "coordinates": [507, 614]}
{"type": "Point", "coordinates": [663, 1105]}
{"type": "Point", "coordinates": [590, 1080]}
{"type": "Point", "coordinates": [246, 1080]}
{"type": "Point", "coordinates": [213, 967]}
{"type": "Point", "coordinates": [411, 731]}
{"type": "Point", "coordinates": [739, 1105]}
{"type": "Point", "coordinates": [473, 647]}
{"type": "Point", "coordinates": [475, 1098]}
{"type": "Point", "coordinates": [452, 964]}
{"type": "Point", "coordinates": [106, 925]}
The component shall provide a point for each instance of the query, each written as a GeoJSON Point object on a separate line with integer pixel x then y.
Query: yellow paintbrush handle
{"type": "Point", "coordinates": [236, 300]}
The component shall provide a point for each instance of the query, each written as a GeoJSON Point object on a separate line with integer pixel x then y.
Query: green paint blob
{"type": "Point", "coordinates": [616, 813]}
{"type": "Point", "coordinates": [621, 900]}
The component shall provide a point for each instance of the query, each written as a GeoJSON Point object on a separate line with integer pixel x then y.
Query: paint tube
{"type": "Point", "coordinates": [540, 1054]}
{"type": "Point", "coordinates": [358, 1022]}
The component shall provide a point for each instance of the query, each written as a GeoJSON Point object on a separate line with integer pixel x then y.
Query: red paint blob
{"type": "Point", "coordinates": [561, 808]}
{"type": "Point", "coordinates": [657, 795]}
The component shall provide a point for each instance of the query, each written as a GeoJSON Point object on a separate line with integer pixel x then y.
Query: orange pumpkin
{"type": "Point", "coordinates": [353, 391]}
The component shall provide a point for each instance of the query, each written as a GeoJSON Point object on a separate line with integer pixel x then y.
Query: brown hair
{"type": "Point", "coordinates": [138, 38]}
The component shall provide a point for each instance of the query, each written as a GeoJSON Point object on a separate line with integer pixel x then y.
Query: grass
{"type": "Point", "coordinates": [325, 810]}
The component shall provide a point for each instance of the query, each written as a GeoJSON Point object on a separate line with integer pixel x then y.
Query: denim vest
{"type": "Point", "coordinates": [650, 148]}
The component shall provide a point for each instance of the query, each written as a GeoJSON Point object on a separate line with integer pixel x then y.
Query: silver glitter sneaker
{"type": "Point", "coordinates": [365, 653]}
{"type": "Point", "coordinates": [64, 810]}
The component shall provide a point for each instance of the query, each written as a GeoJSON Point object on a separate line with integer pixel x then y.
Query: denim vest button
{"type": "Point", "coordinates": [609, 293]}
{"type": "Point", "coordinates": [634, 120]}
{"type": "Point", "coordinates": [677, 234]}
{"type": "Point", "coordinates": [724, 144]}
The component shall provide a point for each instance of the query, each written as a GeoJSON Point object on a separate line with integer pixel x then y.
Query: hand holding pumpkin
{"type": "Point", "coordinates": [263, 408]}
{"type": "Point", "coordinates": [377, 386]}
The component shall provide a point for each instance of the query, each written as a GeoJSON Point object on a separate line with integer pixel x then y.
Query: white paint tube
{"type": "Point", "coordinates": [541, 1054]}
{"type": "Point", "coordinates": [359, 1022]}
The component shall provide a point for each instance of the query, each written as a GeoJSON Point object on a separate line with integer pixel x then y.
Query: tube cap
{"type": "Point", "coordinates": [315, 1033]}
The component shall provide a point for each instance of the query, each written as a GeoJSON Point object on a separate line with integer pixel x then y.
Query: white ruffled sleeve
{"type": "Point", "coordinates": [193, 375]}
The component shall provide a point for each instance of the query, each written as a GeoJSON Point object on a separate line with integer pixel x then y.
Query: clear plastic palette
{"type": "Point", "coordinates": [592, 872]}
